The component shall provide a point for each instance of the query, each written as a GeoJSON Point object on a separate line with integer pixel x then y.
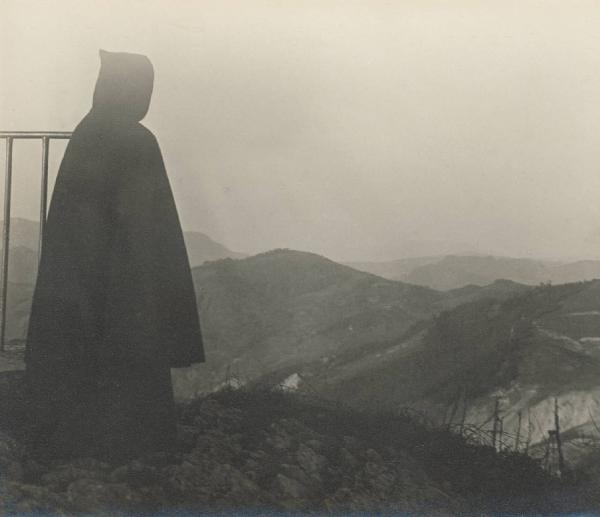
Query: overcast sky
{"type": "Point", "coordinates": [351, 129]}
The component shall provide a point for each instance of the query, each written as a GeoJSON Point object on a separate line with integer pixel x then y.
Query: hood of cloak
{"type": "Point", "coordinates": [124, 86]}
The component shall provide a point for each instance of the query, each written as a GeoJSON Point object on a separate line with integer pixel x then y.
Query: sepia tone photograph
{"type": "Point", "coordinates": [299, 257]}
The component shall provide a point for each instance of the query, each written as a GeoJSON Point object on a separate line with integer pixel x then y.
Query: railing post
{"type": "Point", "coordinates": [6, 238]}
{"type": "Point", "coordinates": [44, 193]}
{"type": "Point", "coordinates": [9, 136]}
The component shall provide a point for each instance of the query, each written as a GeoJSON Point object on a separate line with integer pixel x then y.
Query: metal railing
{"type": "Point", "coordinates": [9, 137]}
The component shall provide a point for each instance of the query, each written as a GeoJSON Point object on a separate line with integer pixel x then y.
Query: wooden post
{"type": "Point", "coordinates": [561, 458]}
{"type": "Point", "coordinates": [529, 429]}
{"type": "Point", "coordinates": [495, 423]}
{"type": "Point", "coordinates": [518, 437]}
{"type": "Point", "coordinates": [546, 461]}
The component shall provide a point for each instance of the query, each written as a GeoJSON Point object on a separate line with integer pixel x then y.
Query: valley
{"type": "Point", "coordinates": [312, 325]}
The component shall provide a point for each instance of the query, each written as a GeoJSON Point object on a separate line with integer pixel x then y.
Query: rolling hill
{"type": "Point", "coordinates": [280, 309]}
{"type": "Point", "coordinates": [287, 307]}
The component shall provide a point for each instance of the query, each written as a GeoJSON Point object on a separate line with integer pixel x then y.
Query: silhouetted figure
{"type": "Point", "coordinates": [114, 306]}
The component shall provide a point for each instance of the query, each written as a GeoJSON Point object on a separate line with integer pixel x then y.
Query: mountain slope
{"type": "Point", "coordinates": [524, 351]}
{"type": "Point", "coordinates": [201, 248]}
{"type": "Point", "coordinates": [288, 307]}
{"type": "Point", "coordinates": [279, 310]}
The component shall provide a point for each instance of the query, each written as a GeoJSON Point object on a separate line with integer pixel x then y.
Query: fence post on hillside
{"type": "Point", "coordinates": [495, 423]}
{"type": "Point", "coordinates": [518, 437]}
{"type": "Point", "coordinates": [529, 431]}
{"type": "Point", "coordinates": [561, 458]}
{"type": "Point", "coordinates": [550, 443]}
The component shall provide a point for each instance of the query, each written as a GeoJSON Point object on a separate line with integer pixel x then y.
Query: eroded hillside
{"type": "Point", "coordinates": [524, 352]}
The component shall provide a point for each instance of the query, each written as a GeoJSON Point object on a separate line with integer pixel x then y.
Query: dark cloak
{"type": "Point", "coordinates": [114, 306]}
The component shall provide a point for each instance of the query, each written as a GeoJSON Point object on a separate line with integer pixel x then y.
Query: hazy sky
{"type": "Point", "coordinates": [351, 129]}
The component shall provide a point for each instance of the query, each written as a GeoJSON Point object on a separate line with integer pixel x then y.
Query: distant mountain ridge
{"type": "Point", "coordinates": [23, 261]}
{"type": "Point", "coordinates": [441, 272]}
{"type": "Point", "coordinates": [24, 233]}
{"type": "Point", "coordinates": [395, 269]}
{"type": "Point", "coordinates": [455, 271]}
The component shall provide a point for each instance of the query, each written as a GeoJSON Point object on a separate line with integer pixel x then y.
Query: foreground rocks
{"type": "Point", "coordinates": [251, 451]}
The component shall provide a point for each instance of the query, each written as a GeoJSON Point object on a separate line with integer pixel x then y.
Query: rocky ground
{"type": "Point", "coordinates": [271, 452]}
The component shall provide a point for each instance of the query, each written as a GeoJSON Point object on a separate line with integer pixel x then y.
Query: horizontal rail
{"type": "Point", "coordinates": [36, 134]}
